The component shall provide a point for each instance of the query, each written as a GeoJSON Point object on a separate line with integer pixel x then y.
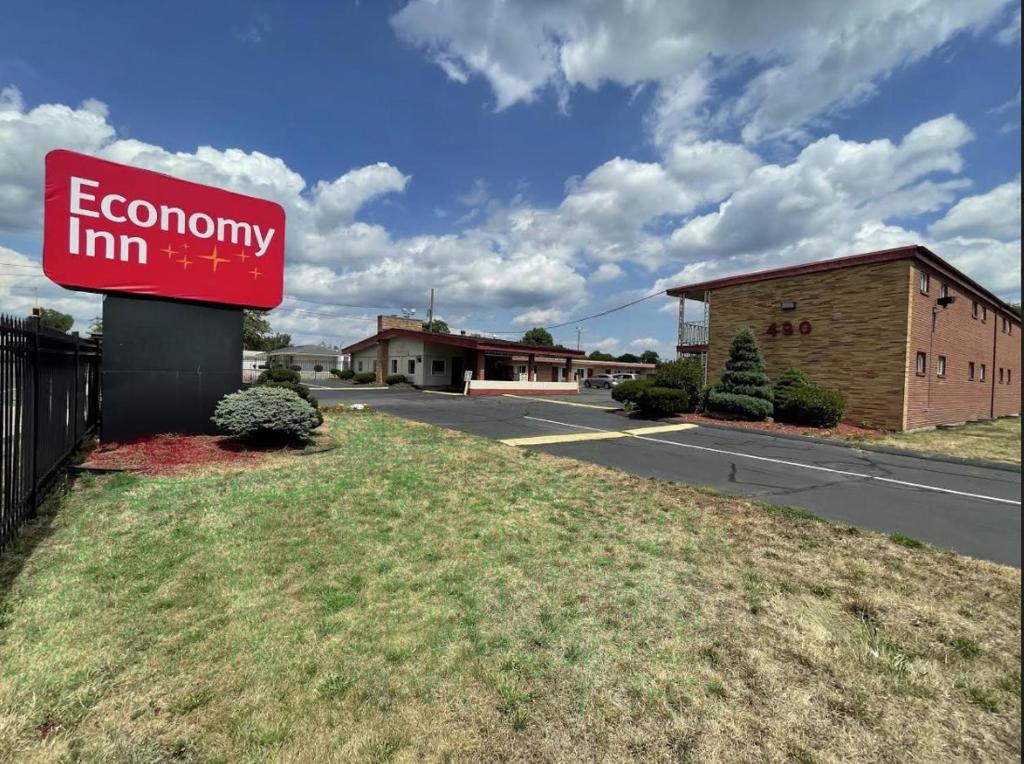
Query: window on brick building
{"type": "Point", "coordinates": [925, 282]}
{"type": "Point", "coordinates": [1009, 376]}
{"type": "Point", "coordinates": [941, 367]}
{"type": "Point", "coordinates": [984, 313]}
{"type": "Point", "coordinates": [975, 309]}
{"type": "Point", "coordinates": [922, 364]}
{"type": "Point", "coordinates": [1000, 375]}
{"type": "Point", "coordinates": [970, 370]}
{"type": "Point", "coordinates": [943, 290]}
{"type": "Point", "coordinates": [982, 377]}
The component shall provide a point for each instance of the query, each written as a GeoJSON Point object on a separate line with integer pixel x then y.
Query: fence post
{"type": "Point", "coordinates": [34, 503]}
{"type": "Point", "coordinates": [78, 373]}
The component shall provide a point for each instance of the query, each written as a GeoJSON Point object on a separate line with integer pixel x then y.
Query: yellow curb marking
{"type": "Point", "coordinates": [545, 440]}
{"type": "Point", "coordinates": [560, 403]}
{"type": "Point", "coordinates": [661, 428]}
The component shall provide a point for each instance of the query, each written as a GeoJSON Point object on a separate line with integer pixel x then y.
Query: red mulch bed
{"type": "Point", "coordinates": [163, 454]}
{"type": "Point", "coordinates": [843, 430]}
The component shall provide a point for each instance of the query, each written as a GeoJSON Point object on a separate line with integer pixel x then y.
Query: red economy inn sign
{"type": "Point", "coordinates": [113, 228]}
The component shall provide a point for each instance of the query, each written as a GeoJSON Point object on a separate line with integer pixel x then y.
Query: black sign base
{"type": "Point", "coordinates": [166, 364]}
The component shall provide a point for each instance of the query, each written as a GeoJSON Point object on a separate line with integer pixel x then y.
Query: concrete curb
{"type": "Point", "coordinates": [867, 447]}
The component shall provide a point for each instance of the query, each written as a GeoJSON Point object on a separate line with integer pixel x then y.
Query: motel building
{"type": "Point", "coordinates": [477, 365]}
{"type": "Point", "coordinates": [908, 339]}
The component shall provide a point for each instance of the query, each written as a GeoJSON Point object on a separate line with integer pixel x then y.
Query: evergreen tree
{"type": "Point", "coordinates": [791, 379]}
{"type": "Point", "coordinates": [744, 389]}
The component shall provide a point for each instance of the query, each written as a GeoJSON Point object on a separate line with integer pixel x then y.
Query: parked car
{"type": "Point", "coordinates": [601, 380]}
{"type": "Point", "coordinates": [623, 376]}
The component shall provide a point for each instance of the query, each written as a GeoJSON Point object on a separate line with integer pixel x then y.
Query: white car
{"type": "Point", "coordinates": [625, 376]}
{"type": "Point", "coordinates": [601, 380]}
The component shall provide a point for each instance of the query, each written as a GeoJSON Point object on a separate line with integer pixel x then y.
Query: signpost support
{"type": "Point", "coordinates": [166, 364]}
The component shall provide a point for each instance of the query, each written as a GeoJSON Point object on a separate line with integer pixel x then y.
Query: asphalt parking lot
{"type": "Point", "coordinates": [970, 508]}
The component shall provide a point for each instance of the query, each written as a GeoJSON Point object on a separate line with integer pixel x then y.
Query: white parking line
{"type": "Point", "coordinates": [795, 464]}
{"type": "Point", "coordinates": [560, 403]}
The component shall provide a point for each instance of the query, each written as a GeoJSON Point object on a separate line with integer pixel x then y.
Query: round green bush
{"type": "Point", "coordinates": [663, 401]}
{"type": "Point", "coordinates": [266, 414]}
{"type": "Point", "coordinates": [812, 405]}
{"type": "Point", "coordinates": [395, 379]}
{"type": "Point", "coordinates": [317, 368]}
{"type": "Point", "coordinates": [683, 374]}
{"type": "Point", "coordinates": [630, 390]}
{"type": "Point", "coordinates": [791, 378]}
{"type": "Point", "coordinates": [346, 374]}
{"type": "Point", "coordinates": [740, 406]}
{"type": "Point", "coordinates": [278, 374]}
{"type": "Point", "coordinates": [364, 377]}
{"type": "Point", "coordinates": [295, 367]}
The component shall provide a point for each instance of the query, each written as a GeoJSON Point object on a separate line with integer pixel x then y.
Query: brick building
{"type": "Point", "coordinates": [439, 360]}
{"type": "Point", "coordinates": [909, 340]}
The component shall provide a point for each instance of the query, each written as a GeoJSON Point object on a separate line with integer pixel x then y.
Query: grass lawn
{"type": "Point", "coordinates": [420, 594]}
{"type": "Point", "coordinates": [997, 440]}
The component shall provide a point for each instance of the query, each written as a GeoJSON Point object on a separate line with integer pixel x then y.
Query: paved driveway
{"type": "Point", "coordinates": [972, 509]}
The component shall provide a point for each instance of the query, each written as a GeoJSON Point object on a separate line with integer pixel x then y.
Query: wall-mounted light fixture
{"type": "Point", "coordinates": [946, 301]}
{"type": "Point", "coordinates": [787, 305]}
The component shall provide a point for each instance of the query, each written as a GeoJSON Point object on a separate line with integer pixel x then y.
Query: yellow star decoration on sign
{"type": "Point", "coordinates": [185, 262]}
{"type": "Point", "coordinates": [255, 272]}
{"type": "Point", "coordinates": [169, 251]}
{"type": "Point", "coordinates": [214, 259]}
{"type": "Point", "coordinates": [242, 256]}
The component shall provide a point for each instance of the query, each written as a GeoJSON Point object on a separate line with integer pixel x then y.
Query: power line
{"type": "Point", "coordinates": [587, 318]}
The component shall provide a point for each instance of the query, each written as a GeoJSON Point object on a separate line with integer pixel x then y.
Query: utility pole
{"type": "Point", "coordinates": [579, 331]}
{"type": "Point", "coordinates": [430, 312]}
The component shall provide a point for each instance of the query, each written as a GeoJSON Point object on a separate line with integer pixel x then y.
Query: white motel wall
{"type": "Point", "coordinates": [423, 364]}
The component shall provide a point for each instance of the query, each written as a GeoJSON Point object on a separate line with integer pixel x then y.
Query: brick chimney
{"type": "Point", "coordinates": [399, 322]}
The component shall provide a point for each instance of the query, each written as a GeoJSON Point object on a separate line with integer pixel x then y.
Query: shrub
{"type": "Point", "coordinates": [702, 401]}
{"type": "Point", "coordinates": [394, 379]}
{"type": "Point", "coordinates": [364, 377]}
{"type": "Point", "coordinates": [266, 414]}
{"type": "Point", "coordinates": [683, 374]}
{"type": "Point", "coordinates": [741, 406]}
{"type": "Point", "coordinates": [791, 378]}
{"type": "Point", "coordinates": [317, 368]}
{"type": "Point", "coordinates": [663, 401]}
{"type": "Point", "coordinates": [277, 374]}
{"type": "Point", "coordinates": [346, 374]}
{"type": "Point", "coordinates": [630, 391]}
{"type": "Point", "coordinates": [744, 389]}
{"type": "Point", "coordinates": [813, 405]}
{"type": "Point", "coordinates": [335, 372]}
{"type": "Point", "coordinates": [295, 367]}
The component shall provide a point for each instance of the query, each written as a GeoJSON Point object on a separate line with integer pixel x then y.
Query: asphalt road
{"type": "Point", "coordinates": [972, 509]}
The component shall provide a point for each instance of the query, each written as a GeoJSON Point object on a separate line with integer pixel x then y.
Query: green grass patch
{"type": "Point", "coordinates": [418, 594]}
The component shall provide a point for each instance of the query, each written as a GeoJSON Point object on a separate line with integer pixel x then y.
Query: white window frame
{"type": "Point", "coordinates": [943, 290]}
{"type": "Point", "coordinates": [410, 366]}
{"type": "Point", "coordinates": [921, 363]}
{"type": "Point", "coordinates": [940, 368]}
{"type": "Point", "coordinates": [982, 377]}
{"type": "Point", "coordinates": [924, 282]}
{"type": "Point", "coordinates": [444, 367]}
{"type": "Point", "coordinates": [359, 365]}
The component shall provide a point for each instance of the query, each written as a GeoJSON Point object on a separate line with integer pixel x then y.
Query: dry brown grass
{"type": "Point", "coordinates": [425, 595]}
{"type": "Point", "coordinates": [996, 441]}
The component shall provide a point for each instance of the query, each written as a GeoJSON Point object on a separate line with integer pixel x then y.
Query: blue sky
{"type": "Point", "coordinates": [533, 162]}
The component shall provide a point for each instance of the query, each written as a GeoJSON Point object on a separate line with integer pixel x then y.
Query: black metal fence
{"type": "Point", "coordinates": [50, 398]}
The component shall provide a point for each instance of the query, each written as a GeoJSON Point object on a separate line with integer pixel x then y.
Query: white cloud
{"type": "Point", "coordinates": [540, 317]}
{"type": "Point", "coordinates": [606, 272]}
{"type": "Point", "coordinates": [605, 345]}
{"type": "Point", "coordinates": [1010, 33]}
{"type": "Point", "coordinates": [807, 59]}
{"type": "Point", "coordinates": [992, 215]}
